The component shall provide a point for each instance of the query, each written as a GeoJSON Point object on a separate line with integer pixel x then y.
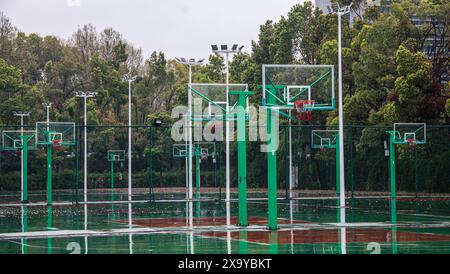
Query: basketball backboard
{"type": "Point", "coordinates": [283, 85]}
{"type": "Point", "coordinates": [202, 149]}
{"type": "Point", "coordinates": [61, 133]}
{"type": "Point", "coordinates": [14, 139]}
{"type": "Point", "coordinates": [214, 99]}
{"type": "Point", "coordinates": [116, 155]}
{"type": "Point", "coordinates": [324, 139]}
{"type": "Point", "coordinates": [410, 133]}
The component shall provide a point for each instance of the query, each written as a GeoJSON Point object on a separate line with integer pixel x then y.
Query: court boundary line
{"type": "Point", "coordinates": [199, 229]}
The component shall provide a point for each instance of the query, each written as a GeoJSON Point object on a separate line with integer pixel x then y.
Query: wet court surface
{"type": "Point", "coordinates": [305, 227]}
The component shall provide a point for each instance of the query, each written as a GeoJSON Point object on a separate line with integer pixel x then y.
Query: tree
{"type": "Point", "coordinates": [10, 78]}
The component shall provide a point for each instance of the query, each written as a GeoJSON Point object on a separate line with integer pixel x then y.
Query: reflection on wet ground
{"type": "Point", "coordinates": [172, 227]}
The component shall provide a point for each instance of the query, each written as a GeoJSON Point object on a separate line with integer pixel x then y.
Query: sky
{"type": "Point", "coordinates": [179, 28]}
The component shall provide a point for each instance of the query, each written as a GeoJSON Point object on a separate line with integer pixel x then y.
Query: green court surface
{"type": "Point", "coordinates": [306, 226]}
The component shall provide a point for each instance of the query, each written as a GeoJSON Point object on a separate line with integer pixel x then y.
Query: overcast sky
{"type": "Point", "coordinates": [184, 28]}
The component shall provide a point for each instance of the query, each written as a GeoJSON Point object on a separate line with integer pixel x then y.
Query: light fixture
{"type": "Point", "coordinates": [157, 122]}
{"type": "Point", "coordinates": [225, 50]}
{"type": "Point", "coordinates": [87, 94]}
{"type": "Point", "coordinates": [21, 113]}
{"type": "Point", "coordinates": [189, 61]}
{"type": "Point", "coordinates": [129, 78]}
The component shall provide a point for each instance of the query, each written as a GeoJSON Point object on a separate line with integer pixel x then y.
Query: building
{"type": "Point", "coordinates": [326, 7]}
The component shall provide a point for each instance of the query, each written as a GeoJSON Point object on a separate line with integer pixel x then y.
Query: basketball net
{"type": "Point", "coordinates": [57, 144]}
{"type": "Point", "coordinates": [205, 155]}
{"type": "Point", "coordinates": [412, 143]}
{"type": "Point", "coordinates": [304, 112]}
{"type": "Point", "coordinates": [216, 126]}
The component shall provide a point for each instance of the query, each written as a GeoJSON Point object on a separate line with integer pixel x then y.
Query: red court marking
{"type": "Point", "coordinates": [204, 221]}
{"type": "Point", "coordinates": [353, 235]}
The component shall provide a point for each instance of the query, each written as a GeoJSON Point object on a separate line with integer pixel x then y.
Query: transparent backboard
{"type": "Point", "coordinates": [283, 85]}
{"type": "Point", "coordinates": [14, 139]}
{"type": "Point", "coordinates": [410, 133]}
{"type": "Point", "coordinates": [62, 133]}
{"type": "Point", "coordinates": [116, 155]}
{"type": "Point", "coordinates": [324, 138]}
{"type": "Point", "coordinates": [213, 98]}
{"type": "Point", "coordinates": [202, 149]}
{"type": "Point", "coordinates": [180, 150]}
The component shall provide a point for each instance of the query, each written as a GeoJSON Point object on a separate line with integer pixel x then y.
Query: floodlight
{"type": "Point", "coordinates": [240, 48]}
{"type": "Point", "coordinates": [21, 113]}
{"type": "Point", "coordinates": [234, 47]}
{"type": "Point", "coordinates": [87, 94]}
{"type": "Point", "coordinates": [157, 122]}
{"type": "Point", "coordinates": [337, 9]}
{"type": "Point", "coordinates": [214, 47]}
{"type": "Point", "coordinates": [189, 61]}
{"type": "Point", "coordinates": [177, 59]}
{"type": "Point", "coordinates": [223, 47]}
{"type": "Point", "coordinates": [129, 78]}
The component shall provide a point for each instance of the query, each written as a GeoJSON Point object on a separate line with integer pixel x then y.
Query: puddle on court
{"type": "Point", "coordinates": [170, 225]}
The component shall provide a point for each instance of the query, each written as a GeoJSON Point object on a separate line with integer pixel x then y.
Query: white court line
{"type": "Point", "coordinates": [171, 230]}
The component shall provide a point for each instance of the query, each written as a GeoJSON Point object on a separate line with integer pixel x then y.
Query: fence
{"type": "Point", "coordinates": [420, 171]}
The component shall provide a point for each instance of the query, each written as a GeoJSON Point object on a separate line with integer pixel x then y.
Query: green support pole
{"type": "Point", "coordinates": [416, 172]}
{"type": "Point", "coordinates": [112, 181]}
{"type": "Point", "coordinates": [338, 186]}
{"type": "Point", "coordinates": [394, 239]}
{"type": "Point", "coordinates": [25, 229]}
{"type": "Point", "coordinates": [49, 174]}
{"type": "Point", "coordinates": [215, 173]}
{"type": "Point", "coordinates": [25, 140]}
{"type": "Point", "coordinates": [219, 177]}
{"type": "Point", "coordinates": [77, 155]}
{"type": "Point", "coordinates": [352, 179]}
{"type": "Point", "coordinates": [392, 171]}
{"type": "Point", "coordinates": [197, 181]}
{"type": "Point", "coordinates": [243, 242]}
{"type": "Point", "coordinates": [74, 176]}
{"type": "Point", "coordinates": [150, 165]}
{"type": "Point", "coordinates": [286, 161]}
{"type": "Point", "coordinates": [242, 161]}
{"type": "Point", "coordinates": [273, 242]}
{"type": "Point", "coordinates": [271, 169]}
{"type": "Point", "coordinates": [49, 226]}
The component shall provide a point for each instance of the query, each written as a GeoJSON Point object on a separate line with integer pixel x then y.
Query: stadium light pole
{"type": "Point", "coordinates": [47, 106]}
{"type": "Point", "coordinates": [129, 79]}
{"type": "Point", "coordinates": [227, 52]}
{"type": "Point", "coordinates": [340, 11]}
{"type": "Point", "coordinates": [85, 95]}
{"type": "Point", "coordinates": [21, 114]}
{"type": "Point", "coordinates": [190, 62]}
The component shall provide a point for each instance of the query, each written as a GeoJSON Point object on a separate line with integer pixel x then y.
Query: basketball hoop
{"type": "Point", "coordinates": [411, 142]}
{"type": "Point", "coordinates": [56, 143]}
{"type": "Point", "coordinates": [217, 126]}
{"type": "Point", "coordinates": [303, 107]}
